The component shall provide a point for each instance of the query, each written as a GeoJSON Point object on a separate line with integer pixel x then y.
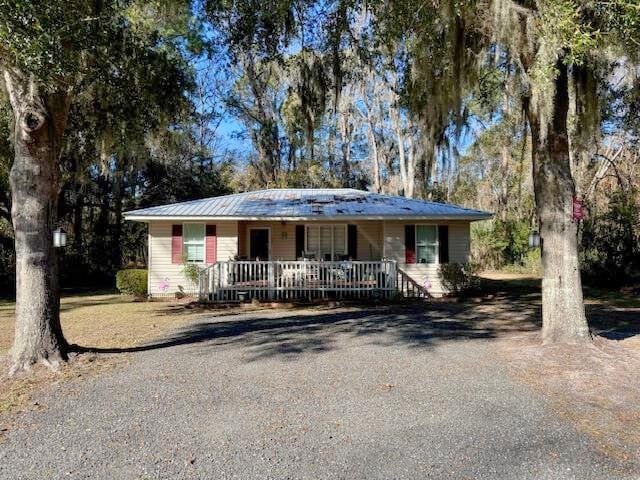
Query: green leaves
{"type": "Point", "coordinates": [48, 39]}
{"type": "Point", "coordinates": [65, 42]}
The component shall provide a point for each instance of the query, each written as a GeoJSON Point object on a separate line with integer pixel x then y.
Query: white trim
{"type": "Point", "coordinates": [204, 243]}
{"type": "Point", "coordinates": [249, 240]}
{"type": "Point", "coordinates": [437, 244]}
{"type": "Point", "coordinates": [346, 218]}
{"type": "Point", "coordinates": [149, 243]}
{"type": "Point", "coordinates": [383, 250]}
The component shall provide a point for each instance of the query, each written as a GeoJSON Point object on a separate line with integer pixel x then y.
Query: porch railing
{"type": "Point", "coordinates": [282, 280]}
{"type": "Point", "coordinates": [408, 287]}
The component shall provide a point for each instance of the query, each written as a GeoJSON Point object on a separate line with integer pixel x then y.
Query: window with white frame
{"type": "Point", "coordinates": [327, 242]}
{"type": "Point", "coordinates": [427, 243]}
{"type": "Point", "coordinates": [193, 242]}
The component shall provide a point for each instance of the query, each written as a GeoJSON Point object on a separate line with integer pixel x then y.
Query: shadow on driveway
{"type": "Point", "coordinates": [511, 308]}
{"type": "Point", "coordinates": [289, 333]}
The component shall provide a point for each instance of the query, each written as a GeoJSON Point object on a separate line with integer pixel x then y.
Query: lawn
{"type": "Point", "coordinates": [105, 320]}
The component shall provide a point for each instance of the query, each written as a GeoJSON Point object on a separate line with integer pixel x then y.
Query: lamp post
{"type": "Point", "coordinates": [59, 237]}
{"type": "Point", "coordinates": [534, 239]}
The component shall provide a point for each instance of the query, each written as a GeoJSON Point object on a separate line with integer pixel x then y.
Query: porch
{"type": "Point", "coordinates": [239, 280]}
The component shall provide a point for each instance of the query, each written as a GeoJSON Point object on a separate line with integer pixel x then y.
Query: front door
{"type": "Point", "coordinates": [259, 243]}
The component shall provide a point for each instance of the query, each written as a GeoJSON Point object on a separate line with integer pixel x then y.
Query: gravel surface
{"type": "Point", "coordinates": [379, 393]}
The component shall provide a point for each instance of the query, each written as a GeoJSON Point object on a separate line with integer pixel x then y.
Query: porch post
{"type": "Point", "coordinates": [272, 278]}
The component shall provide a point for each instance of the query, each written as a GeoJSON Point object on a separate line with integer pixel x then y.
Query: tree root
{"type": "Point", "coordinates": [53, 361]}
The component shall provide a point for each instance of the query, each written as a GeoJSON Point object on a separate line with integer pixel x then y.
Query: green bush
{"type": "Point", "coordinates": [498, 243]}
{"type": "Point", "coordinates": [191, 272]}
{"type": "Point", "coordinates": [610, 252]}
{"type": "Point", "coordinates": [132, 282]}
{"type": "Point", "coordinates": [458, 278]}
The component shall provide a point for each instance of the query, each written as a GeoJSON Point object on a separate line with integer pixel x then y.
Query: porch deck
{"type": "Point", "coordinates": [282, 280]}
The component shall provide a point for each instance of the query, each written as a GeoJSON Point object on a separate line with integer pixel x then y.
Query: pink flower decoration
{"type": "Point", "coordinates": [164, 284]}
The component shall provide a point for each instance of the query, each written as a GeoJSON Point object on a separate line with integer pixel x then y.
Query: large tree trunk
{"type": "Point", "coordinates": [563, 314]}
{"type": "Point", "coordinates": [39, 122]}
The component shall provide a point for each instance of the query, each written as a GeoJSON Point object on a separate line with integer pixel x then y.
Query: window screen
{"type": "Point", "coordinates": [327, 242]}
{"type": "Point", "coordinates": [193, 238]}
{"type": "Point", "coordinates": [426, 243]}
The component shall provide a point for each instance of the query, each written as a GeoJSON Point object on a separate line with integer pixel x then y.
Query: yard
{"type": "Point", "coordinates": [450, 390]}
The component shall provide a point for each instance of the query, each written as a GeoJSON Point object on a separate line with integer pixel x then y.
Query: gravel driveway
{"type": "Point", "coordinates": [380, 393]}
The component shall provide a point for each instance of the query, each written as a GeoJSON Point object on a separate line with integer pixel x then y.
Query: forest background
{"type": "Point", "coordinates": [206, 111]}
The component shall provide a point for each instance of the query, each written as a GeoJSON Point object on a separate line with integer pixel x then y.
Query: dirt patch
{"type": "Point", "coordinates": [91, 321]}
{"type": "Point", "coordinates": [18, 392]}
{"type": "Point", "coordinates": [596, 387]}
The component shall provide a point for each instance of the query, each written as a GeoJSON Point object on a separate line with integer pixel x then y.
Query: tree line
{"type": "Point", "coordinates": [517, 107]}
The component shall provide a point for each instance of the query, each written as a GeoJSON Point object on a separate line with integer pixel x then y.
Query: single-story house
{"type": "Point", "coordinates": [281, 243]}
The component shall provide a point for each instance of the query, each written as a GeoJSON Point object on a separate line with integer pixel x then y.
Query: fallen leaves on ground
{"type": "Point", "coordinates": [99, 321]}
{"type": "Point", "coordinates": [595, 386]}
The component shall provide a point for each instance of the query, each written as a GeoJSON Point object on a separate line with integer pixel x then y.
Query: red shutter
{"type": "Point", "coordinates": [410, 244]}
{"type": "Point", "coordinates": [211, 244]}
{"type": "Point", "coordinates": [176, 243]}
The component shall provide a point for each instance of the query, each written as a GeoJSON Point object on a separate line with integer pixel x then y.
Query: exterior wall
{"type": "Point", "coordinates": [369, 240]}
{"type": "Point", "coordinates": [459, 240]}
{"type": "Point", "coordinates": [376, 239]}
{"type": "Point", "coordinates": [160, 266]}
{"type": "Point", "coordinates": [282, 244]}
{"type": "Point", "coordinates": [283, 238]}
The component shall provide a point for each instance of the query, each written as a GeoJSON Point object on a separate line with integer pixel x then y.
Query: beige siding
{"type": "Point", "coordinates": [369, 240]}
{"type": "Point", "coordinates": [376, 239]}
{"type": "Point", "coordinates": [459, 242]}
{"type": "Point", "coordinates": [458, 252]}
{"type": "Point", "coordinates": [243, 246]}
{"type": "Point", "coordinates": [283, 239]}
{"type": "Point", "coordinates": [160, 266]}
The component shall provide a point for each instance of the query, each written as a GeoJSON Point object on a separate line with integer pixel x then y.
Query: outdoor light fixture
{"type": "Point", "coordinates": [59, 238]}
{"type": "Point", "coordinates": [534, 239]}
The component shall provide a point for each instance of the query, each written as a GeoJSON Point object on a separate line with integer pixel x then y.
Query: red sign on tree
{"type": "Point", "coordinates": [578, 209]}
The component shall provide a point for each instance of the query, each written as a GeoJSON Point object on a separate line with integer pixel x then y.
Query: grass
{"type": "Point", "coordinates": [104, 320]}
{"type": "Point", "coordinates": [595, 386]}
{"type": "Point", "coordinates": [515, 282]}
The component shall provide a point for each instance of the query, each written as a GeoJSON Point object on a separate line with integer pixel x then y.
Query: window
{"type": "Point", "coordinates": [327, 242]}
{"type": "Point", "coordinates": [193, 241]}
{"type": "Point", "coordinates": [426, 243]}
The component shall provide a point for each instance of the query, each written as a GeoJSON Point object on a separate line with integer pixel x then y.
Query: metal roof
{"type": "Point", "coordinates": [307, 204]}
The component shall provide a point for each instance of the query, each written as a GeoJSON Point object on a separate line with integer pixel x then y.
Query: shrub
{"type": "Point", "coordinates": [498, 243]}
{"type": "Point", "coordinates": [458, 278]}
{"type": "Point", "coordinates": [132, 282]}
{"type": "Point", "coordinates": [611, 241]}
{"type": "Point", "coordinates": [191, 272]}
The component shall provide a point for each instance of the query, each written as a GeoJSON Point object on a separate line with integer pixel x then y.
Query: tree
{"type": "Point", "coordinates": [49, 55]}
{"type": "Point", "coordinates": [549, 44]}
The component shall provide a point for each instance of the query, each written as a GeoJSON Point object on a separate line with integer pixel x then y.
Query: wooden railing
{"type": "Point", "coordinates": [282, 280]}
{"type": "Point", "coordinates": [408, 287]}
